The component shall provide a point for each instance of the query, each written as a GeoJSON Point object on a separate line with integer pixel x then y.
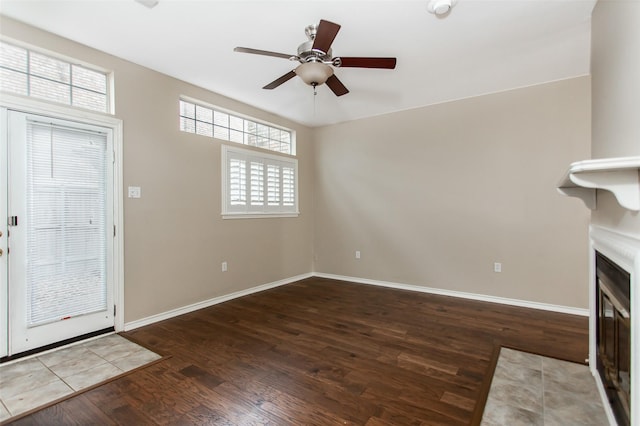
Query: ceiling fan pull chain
{"type": "Point", "coordinates": [315, 93]}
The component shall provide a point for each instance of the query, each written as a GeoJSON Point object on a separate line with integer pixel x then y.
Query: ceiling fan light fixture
{"type": "Point", "coordinates": [314, 73]}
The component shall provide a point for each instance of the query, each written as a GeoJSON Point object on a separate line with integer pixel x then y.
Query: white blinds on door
{"type": "Point", "coordinates": [65, 226]}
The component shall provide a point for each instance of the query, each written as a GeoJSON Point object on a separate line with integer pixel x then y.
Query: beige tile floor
{"type": "Point", "coordinates": [35, 381]}
{"type": "Point", "coordinates": [530, 389]}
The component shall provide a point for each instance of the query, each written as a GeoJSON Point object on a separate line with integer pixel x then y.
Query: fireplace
{"type": "Point", "coordinates": [614, 316]}
{"type": "Point", "coordinates": [613, 335]}
{"type": "Point", "coordinates": [614, 351]}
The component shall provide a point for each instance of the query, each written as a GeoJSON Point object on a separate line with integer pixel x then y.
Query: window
{"type": "Point", "coordinates": [29, 73]}
{"type": "Point", "coordinates": [256, 184]}
{"type": "Point", "coordinates": [219, 124]}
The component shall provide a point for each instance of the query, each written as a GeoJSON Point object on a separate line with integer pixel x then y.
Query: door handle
{"type": "Point", "coordinates": [0, 252]}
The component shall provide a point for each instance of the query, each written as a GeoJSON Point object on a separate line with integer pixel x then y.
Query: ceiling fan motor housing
{"type": "Point", "coordinates": [307, 53]}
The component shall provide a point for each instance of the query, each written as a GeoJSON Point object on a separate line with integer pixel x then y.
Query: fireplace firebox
{"type": "Point", "coordinates": [613, 335]}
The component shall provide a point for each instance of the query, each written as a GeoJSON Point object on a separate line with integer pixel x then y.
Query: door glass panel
{"type": "Point", "coordinates": [66, 205]}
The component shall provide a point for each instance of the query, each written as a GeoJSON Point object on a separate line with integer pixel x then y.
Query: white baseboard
{"type": "Point", "coordinates": [464, 295]}
{"type": "Point", "coordinates": [473, 296]}
{"type": "Point", "coordinates": [210, 302]}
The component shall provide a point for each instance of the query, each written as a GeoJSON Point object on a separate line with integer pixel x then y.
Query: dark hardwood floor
{"type": "Point", "coordinates": [322, 352]}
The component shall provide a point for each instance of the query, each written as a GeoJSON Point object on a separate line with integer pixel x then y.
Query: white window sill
{"type": "Point", "coordinates": [257, 215]}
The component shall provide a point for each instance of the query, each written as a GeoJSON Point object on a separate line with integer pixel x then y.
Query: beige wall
{"type": "Point", "coordinates": [431, 196]}
{"type": "Point", "coordinates": [434, 196]}
{"type": "Point", "coordinates": [615, 68]}
{"type": "Point", "coordinates": [175, 239]}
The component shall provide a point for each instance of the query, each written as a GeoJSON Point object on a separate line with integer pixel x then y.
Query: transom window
{"type": "Point", "coordinates": [29, 73]}
{"type": "Point", "coordinates": [219, 124]}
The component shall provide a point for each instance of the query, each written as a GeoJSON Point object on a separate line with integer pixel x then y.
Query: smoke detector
{"type": "Point", "coordinates": [148, 3]}
{"type": "Point", "coordinates": [441, 7]}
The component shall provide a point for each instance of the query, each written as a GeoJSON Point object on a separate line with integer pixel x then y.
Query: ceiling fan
{"type": "Point", "coordinates": [316, 60]}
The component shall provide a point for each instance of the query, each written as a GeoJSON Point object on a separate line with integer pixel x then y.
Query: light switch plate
{"type": "Point", "coordinates": [135, 192]}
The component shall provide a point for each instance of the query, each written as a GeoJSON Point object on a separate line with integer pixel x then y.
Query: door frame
{"type": "Point", "coordinates": [33, 106]}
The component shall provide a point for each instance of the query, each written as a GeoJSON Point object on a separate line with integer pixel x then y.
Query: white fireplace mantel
{"type": "Point", "coordinates": [621, 176]}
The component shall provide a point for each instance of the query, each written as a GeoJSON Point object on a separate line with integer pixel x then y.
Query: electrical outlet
{"type": "Point", "coordinates": [497, 267]}
{"type": "Point", "coordinates": [224, 266]}
{"type": "Point", "coordinates": [357, 254]}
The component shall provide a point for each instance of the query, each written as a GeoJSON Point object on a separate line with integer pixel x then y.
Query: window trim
{"type": "Point", "coordinates": [109, 75]}
{"type": "Point", "coordinates": [248, 212]}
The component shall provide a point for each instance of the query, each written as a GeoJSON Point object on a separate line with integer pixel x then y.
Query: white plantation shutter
{"type": "Point", "coordinates": [288, 186]}
{"type": "Point", "coordinates": [237, 182]}
{"type": "Point", "coordinates": [273, 185]}
{"type": "Point", "coordinates": [257, 183]}
{"type": "Point", "coordinates": [66, 222]}
{"type": "Point", "coordinates": [268, 180]}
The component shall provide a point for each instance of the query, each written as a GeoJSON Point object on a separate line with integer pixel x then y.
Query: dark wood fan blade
{"type": "Point", "coordinates": [357, 62]}
{"type": "Point", "coordinates": [263, 52]}
{"type": "Point", "coordinates": [277, 82]}
{"type": "Point", "coordinates": [336, 86]}
{"type": "Point", "coordinates": [325, 35]}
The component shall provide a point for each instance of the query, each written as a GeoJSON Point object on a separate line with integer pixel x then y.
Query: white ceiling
{"type": "Point", "coordinates": [481, 47]}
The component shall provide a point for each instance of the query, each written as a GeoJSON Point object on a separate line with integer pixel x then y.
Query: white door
{"type": "Point", "coordinates": [60, 242]}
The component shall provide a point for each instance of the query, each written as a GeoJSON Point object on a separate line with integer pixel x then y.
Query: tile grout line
{"type": "Point", "coordinates": [139, 349]}
{"type": "Point", "coordinates": [550, 364]}
{"type": "Point", "coordinates": [5, 407]}
{"type": "Point", "coordinates": [106, 361]}
{"type": "Point", "coordinates": [543, 392]}
{"type": "Point", "coordinates": [57, 379]}
{"type": "Point", "coordinates": [54, 373]}
{"type": "Point", "coordinates": [109, 362]}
